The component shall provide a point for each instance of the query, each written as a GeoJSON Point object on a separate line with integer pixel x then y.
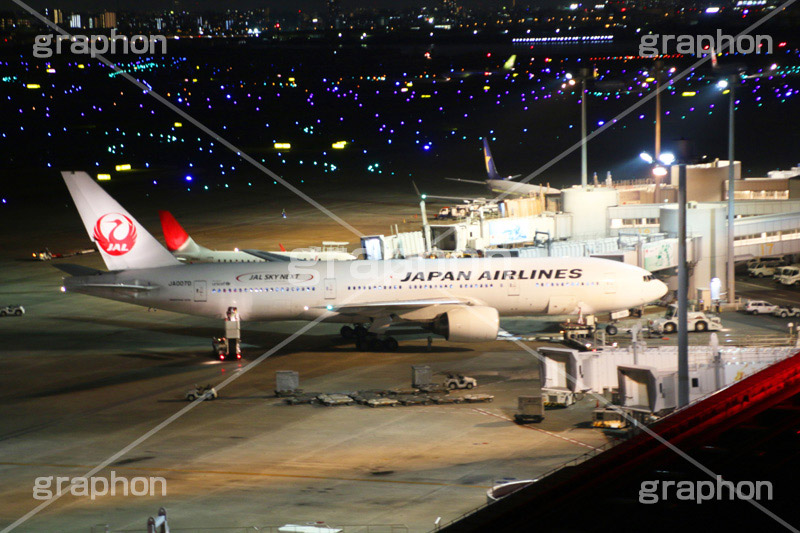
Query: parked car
{"type": "Point", "coordinates": [16, 310]}
{"type": "Point", "coordinates": [759, 307]}
{"type": "Point", "coordinates": [786, 311]}
{"type": "Point", "coordinates": [763, 269]}
{"type": "Point", "coordinates": [789, 275]}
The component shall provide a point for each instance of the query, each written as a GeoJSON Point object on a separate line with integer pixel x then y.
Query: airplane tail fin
{"type": "Point", "coordinates": [175, 236]}
{"type": "Point", "coordinates": [282, 248]}
{"type": "Point", "coordinates": [122, 241]}
{"type": "Point", "coordinates": [714, 62]}
{"type": "Point", "coordinates": [487, 156]}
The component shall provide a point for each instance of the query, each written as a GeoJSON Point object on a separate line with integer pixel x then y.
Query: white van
{"type": "Point", "coordinates": [790, 275]}
{"type": "Point", "coordinates": [763, 269]}
{"type": "Point", "coordinates": [779, 272]}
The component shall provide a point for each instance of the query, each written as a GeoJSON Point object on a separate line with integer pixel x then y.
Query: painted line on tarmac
{"type": "Point", "coordinates": [254, 474]}
{"type": "Point", "coordinates": [556, 435]}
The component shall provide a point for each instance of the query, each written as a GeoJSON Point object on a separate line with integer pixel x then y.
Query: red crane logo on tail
{"type": "Point", "coordinates": [115, 234]}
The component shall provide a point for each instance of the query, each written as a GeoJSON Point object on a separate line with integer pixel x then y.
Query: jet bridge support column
{"type": "Point", "coordinates": [426, 229]}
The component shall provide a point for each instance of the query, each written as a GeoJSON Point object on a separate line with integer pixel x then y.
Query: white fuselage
{"type": "Point", "coordinates": [305, 290]}
{"type": "Point", "coordinates": [204, 255]}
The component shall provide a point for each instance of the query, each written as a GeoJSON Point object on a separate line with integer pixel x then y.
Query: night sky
{"type": "Point", "coordinates": [276, 5]}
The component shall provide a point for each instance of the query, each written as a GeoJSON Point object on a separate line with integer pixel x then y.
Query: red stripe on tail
{"type": "Point", "coordinates": [174, 235]}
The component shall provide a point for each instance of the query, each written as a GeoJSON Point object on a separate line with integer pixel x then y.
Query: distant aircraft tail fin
{"type": "Point", "coordinates": [282, 248]}
{"type": "Point", "coordinates": [122, 241]}
{"type": "Point", "coordinates": [178, 241]}
{"type": "Point", "coordinates": [491, 171]}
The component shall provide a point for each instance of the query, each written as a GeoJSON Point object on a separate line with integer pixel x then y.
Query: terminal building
{"type": "Point", "coordinates": [635, 222]}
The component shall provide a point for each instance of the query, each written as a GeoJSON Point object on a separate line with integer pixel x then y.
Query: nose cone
{"type": "Point", "coordinates": [658, 290]}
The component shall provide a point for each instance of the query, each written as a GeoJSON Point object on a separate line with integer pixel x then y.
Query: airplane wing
{"type": "Point", "coordinates": [409, 310]}
{"type": "Point", "coordinates": [467, 181]}
{"type": "Point", "coordinates": [463, 198]}
{"type": "Point", "coordinates": [268, 256]}
{"type": "Point", "coordinates": [124, 286]}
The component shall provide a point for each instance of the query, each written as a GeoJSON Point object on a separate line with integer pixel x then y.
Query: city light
{"type": "Point", "coordinates": [103, 177]}
{"type": "Point", "coordinates": [123, 167]}
{"type": "Point", "coordinates": [339, 145]}
{"type": "Point", "coordinates": [722, 84]}
{"type": "Point", "coordinates": [283, 146]}
{"type": "Point", "coordinates": [647, 158]}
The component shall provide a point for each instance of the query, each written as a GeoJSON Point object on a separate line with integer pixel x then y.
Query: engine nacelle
{"type": "Point", "coordinates": [468, 324]}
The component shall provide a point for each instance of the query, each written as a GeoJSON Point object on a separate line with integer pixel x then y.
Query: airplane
{"type": "Point", "coordinates": [460, 299]}
{"type": "Point", "coordinates": [506, 185]}
{"type": "Point", "coordinates": [185, 249]}
{"type": "Point", "coordinates": [507, 68]}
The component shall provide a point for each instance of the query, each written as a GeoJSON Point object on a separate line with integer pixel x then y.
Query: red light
{"type": "Point", "coordinates": [489, 54]}
{"type": "Point", "coordinates": [221, 357]}
{"type": "Point", "coordinates": [238, 356]}
{"type": "Point", "coordinates": [781, 44]}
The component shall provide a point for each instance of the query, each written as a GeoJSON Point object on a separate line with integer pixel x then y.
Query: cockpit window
{"type": "Point", "coordinates": [649, 277]}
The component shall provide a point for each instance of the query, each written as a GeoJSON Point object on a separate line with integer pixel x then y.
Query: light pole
{"type": "Point", "coordinates": [658, 67]}
{"type": "Point", "coordinates": [731, 190]}
{"type": "Point", "coordinates": [684, 151]}
{"type": "Point", "coordinates": [584, 156]}
{"type": "Point", "coordinates": [583, 75]}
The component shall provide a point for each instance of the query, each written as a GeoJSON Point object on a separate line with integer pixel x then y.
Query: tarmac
{"type": "Point", "coordinates": [83, 378]}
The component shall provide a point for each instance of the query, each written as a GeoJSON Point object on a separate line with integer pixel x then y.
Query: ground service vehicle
{"type": "Point", "coordinates": [16, 310]}
{"type": "Point", "coordinates": [785, 312]}
{"type": "Point", "coordinates": [696, 321]}
{"type": "Point", "coordinates": [382, 402]}
{"type": "Point", "coordinates": [608, 418]}
{"type": "Point", "coordinates": [452, 212]}
{"type": "Point", "coordinates": [457, 381]}
{"type": "Point", "coordinates": [335, 399]}
{"type": "Point", "coordinates": [759, 307]}
{"type": "Point", "coordinates": [199, 391]}
{"type": "Point", "coordinates": [531, 410]}
{"type": "Point", "coordinates": [43, 255]}
{"type": "Point", "coordinates": [222, 349]}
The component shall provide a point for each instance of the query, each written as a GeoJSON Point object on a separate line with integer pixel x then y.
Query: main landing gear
{"type": "Point", "coordinates": [366, 341]}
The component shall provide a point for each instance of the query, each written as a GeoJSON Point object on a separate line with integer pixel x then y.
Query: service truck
{"type": "Point", "coordinates": [696, 321]}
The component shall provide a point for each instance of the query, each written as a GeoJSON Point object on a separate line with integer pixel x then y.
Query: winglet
{"type": "Point", "coordinates": [487, 156]}
{"type": "Point", "coordinates": [123, 242]}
